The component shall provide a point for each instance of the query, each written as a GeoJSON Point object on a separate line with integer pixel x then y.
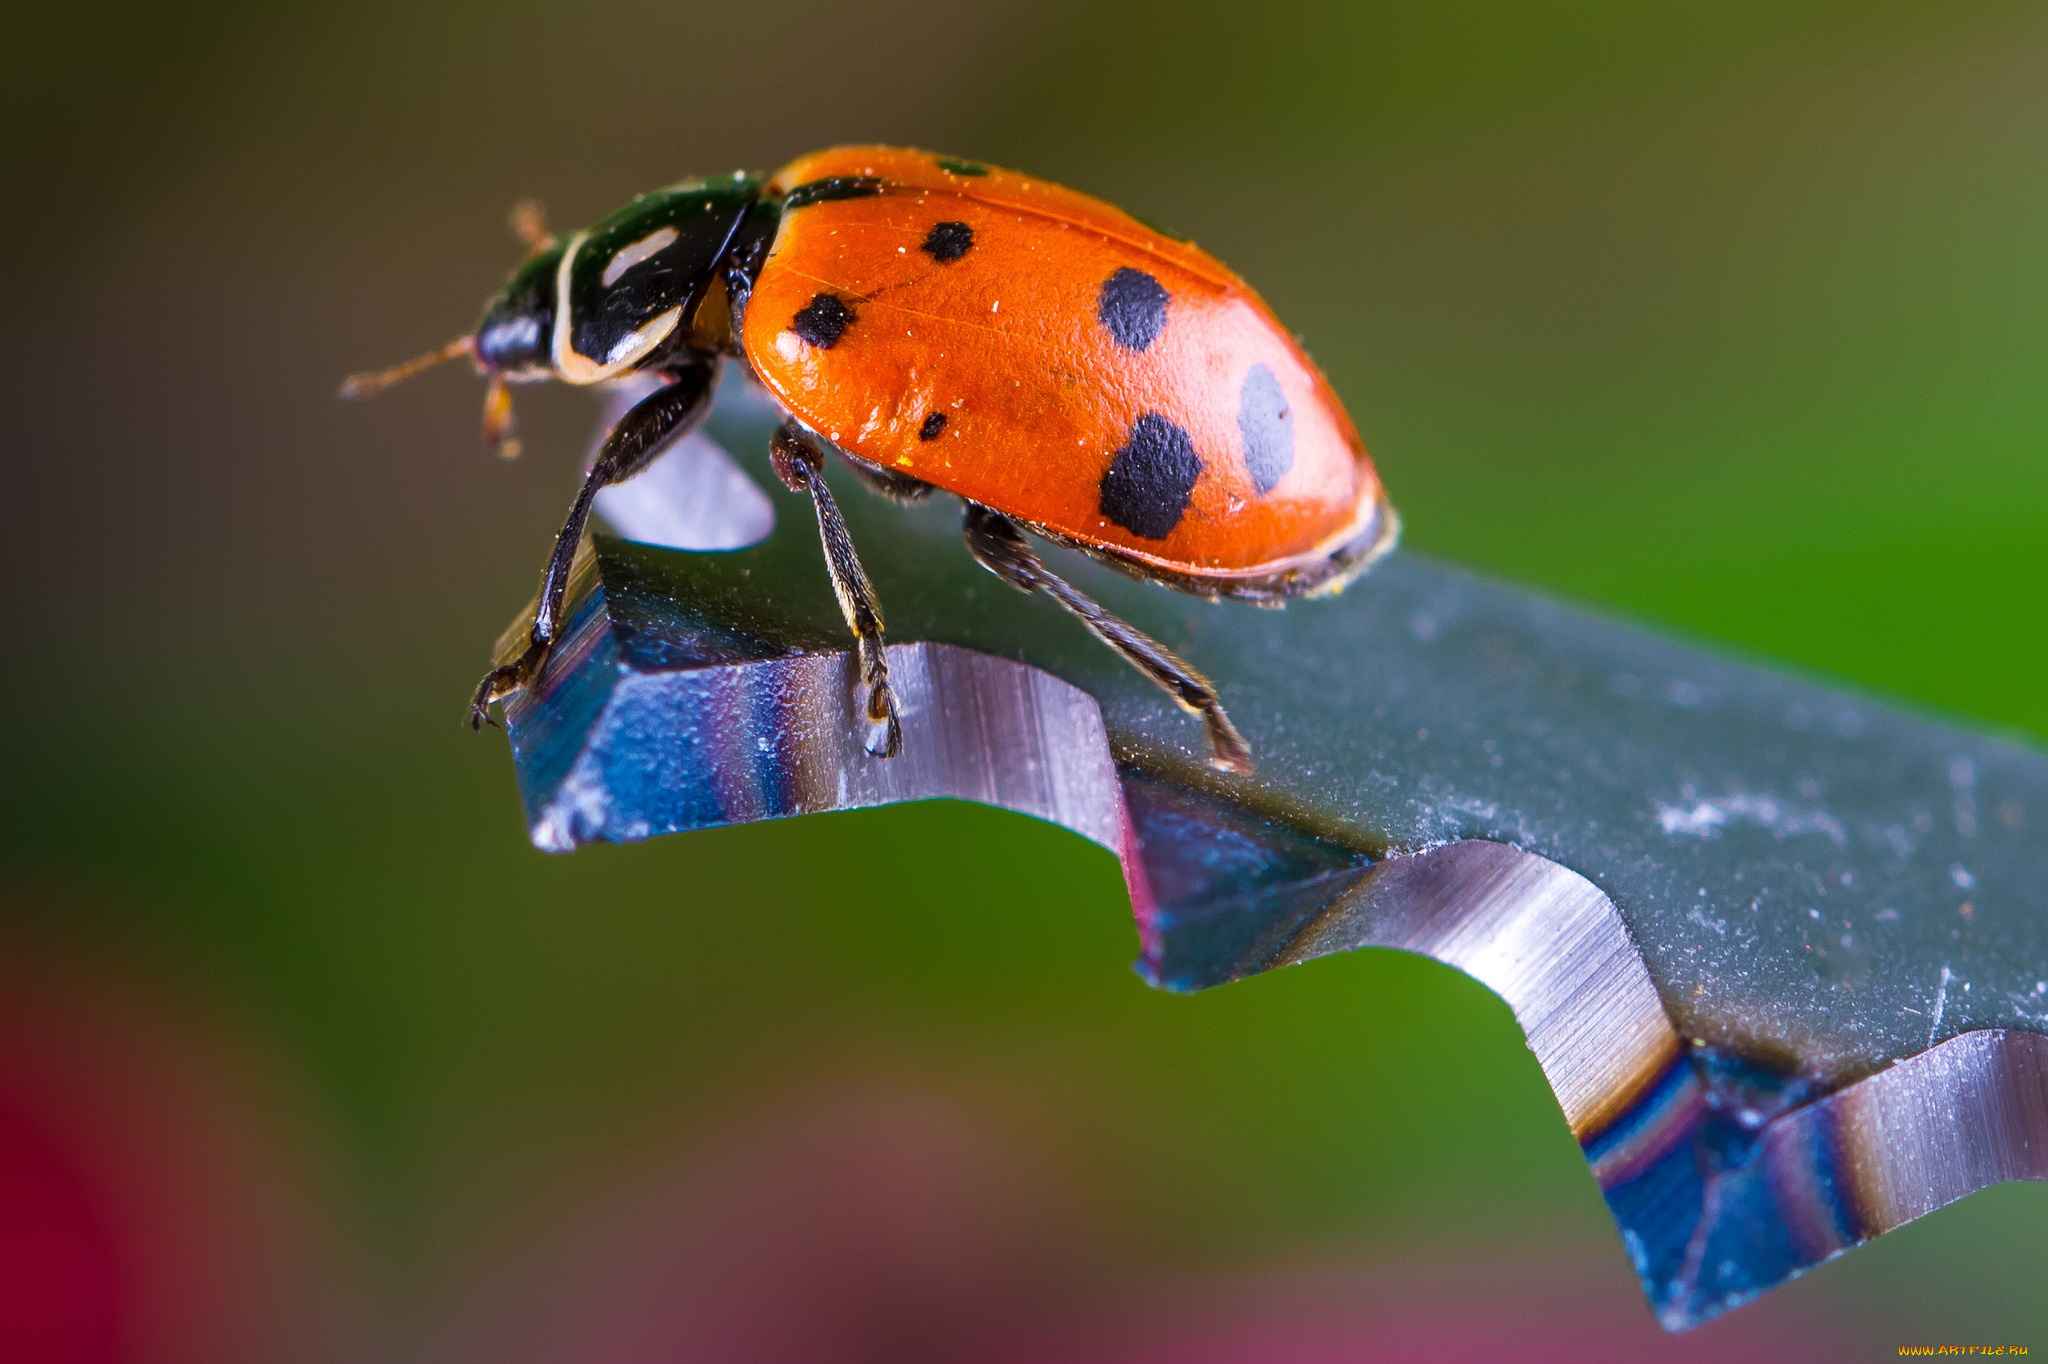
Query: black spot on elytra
{"type": "Point", "coordinates": [933, 424]}
{"type": "Point", "coordinates": [948, 242]}
{"type": "Point", "coordinates": [953, 166]}
{"type": "Point", "coordinates": [1267, 425]}
{"type": "Point", "coordinates": [833, 187]}
{"type": "Point", "coordinates": [822, 321]}
{"type": "Point", "coordinates": [1149, 481]}
{"type": "Point", "coordinates": [1133, 306]}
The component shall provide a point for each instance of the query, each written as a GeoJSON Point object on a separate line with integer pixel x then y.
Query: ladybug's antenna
{"type": "Point", "coordinates": [529, 221]}
{"type": "Point", "coordinates": [377, 380]}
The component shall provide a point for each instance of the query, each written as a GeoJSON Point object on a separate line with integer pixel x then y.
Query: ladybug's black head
{"type": "Point", "coordinates": [610, 299]}
{"type": "Point", "coordinates": [519, 322]}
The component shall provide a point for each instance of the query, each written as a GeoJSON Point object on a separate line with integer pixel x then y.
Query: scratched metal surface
{"type": "Point", "coordinates": [1815, 881]}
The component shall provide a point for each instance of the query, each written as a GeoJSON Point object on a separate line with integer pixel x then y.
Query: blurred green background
{"type": "Point", "coordinates": [1726, 316]}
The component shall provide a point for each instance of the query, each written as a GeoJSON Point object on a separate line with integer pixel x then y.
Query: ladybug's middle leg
{"type": "Point", "coordinates": [644, 432]}
{"type": "Point", "coordinates": [999, 545]}
{"type": "Point", "coordinates": [800, 465]}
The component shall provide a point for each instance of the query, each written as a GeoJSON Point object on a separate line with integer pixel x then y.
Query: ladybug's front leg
{"type": "Point", "coordinates": [641, 434]}
{"type": "Point", "coordinates": [996, 542]}
{"type": "Point", "coordinates": [800, 466]}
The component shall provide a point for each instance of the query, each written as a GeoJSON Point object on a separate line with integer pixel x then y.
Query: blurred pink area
{"type": "Point", "coordinates": [856, 1223]}
{"type": "Point", "coordinates": [1575, 1310]}
{"type": "Point", "coordinates": [158, 1204]}
{"type": "Point", "coordinates": [61, 1291]}
{"type": "Point", "coordinates": [149, 1210]}
{"type": "Point", "coordinates": [886, 1224]}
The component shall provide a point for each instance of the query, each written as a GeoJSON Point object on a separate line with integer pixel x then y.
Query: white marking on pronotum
{"type": "Point", "coordinates": [576, 368]}
{"type": "Point", "coordinates": [653, 244]}
{"type": "Point", "coordinates": [560, 342]}
{"type": "Point", "coordinates": [1940, 1003]}
{"type": "Point", "coordinates": [635, 344]}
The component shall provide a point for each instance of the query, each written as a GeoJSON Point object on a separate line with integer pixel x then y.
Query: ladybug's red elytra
{"type": "Point", "coordinates": [1057, 364]}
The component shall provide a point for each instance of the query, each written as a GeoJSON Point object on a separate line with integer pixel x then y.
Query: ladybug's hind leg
{"type": "Point", "coordinates": [645, 430]}
{"type": "Point", "coordinates": [800, 465]}
{"type": "Point", "coordinates": [999, 545]}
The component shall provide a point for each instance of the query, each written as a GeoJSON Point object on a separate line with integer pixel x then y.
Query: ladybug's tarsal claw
{"type": "Point", "coordinates": [639, 435]}
{"type": "Point", "coordinates": [884, 730]}
{"type": "Point", "coordinates": [504, 681]}
{"type": "Point", "coordinates": [800, 466]}
{"type": "Point", "coordinates": [1228, 751]}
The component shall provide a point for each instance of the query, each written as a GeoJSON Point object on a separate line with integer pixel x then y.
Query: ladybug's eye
{"type": "Point", "coordinates": [509, 335]}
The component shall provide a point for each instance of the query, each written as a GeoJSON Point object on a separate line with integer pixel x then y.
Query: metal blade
{"type": "Point", "coordinates": [1782, 953]}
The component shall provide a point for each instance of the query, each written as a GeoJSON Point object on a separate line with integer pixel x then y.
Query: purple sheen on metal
{"type": "Point", "coordinates": [1219, 892]}
{"type": "Point", "coordinates": [1718, 1203]}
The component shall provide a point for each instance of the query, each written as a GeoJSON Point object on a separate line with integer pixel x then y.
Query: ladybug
{"type": "Point", "coordinates": [1059, 365]}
